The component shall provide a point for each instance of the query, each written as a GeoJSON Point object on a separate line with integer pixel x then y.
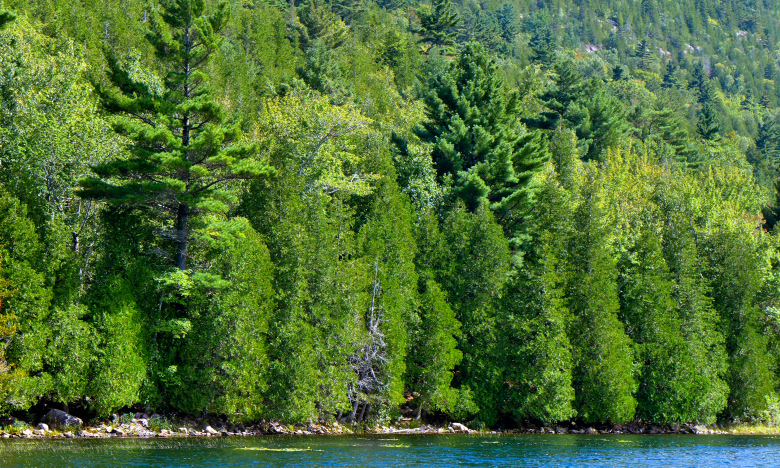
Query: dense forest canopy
{"type": "Point", "coordinates": [496, 212]}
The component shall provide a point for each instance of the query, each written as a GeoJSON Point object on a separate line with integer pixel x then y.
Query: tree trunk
{"type": "Point", "coordinates": [419, 410]}
{"type": "Point", "coordinates": [351, 416]}
{"type": "Point", "coordinates": [182, 215]}
{"type": "Point", "coordinates": [362, 410]}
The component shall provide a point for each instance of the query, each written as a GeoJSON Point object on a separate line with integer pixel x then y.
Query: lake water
{"type": "Point", "coordinates": [400, 451]}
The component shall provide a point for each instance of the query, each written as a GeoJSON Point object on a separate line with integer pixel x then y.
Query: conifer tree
{"type": "Point", "coordinates": [708, 127]}
{"type": "Point", "coordinates": [542, 41]}
{"type": "Point", "coordinates": [563, 100]}
{"type": "Point", "coordinates": [768, 140]}
{"type": "Point", "coordinates": [318, 22]}
{"type": "Point", "coordinates": [439, 22]}
{"type": "Point", "coordinates": [508, 21]}
{"type": "Point", "coordinates": [183, 149]}
{"type": "Point", "coordinates": [472, 123]}
{"type": "Point", "coordinates": [604, 370]}
{"type": "Point", "coordinates": [670, 76]}
{"type": "Point", "coordinates": [643, 55]}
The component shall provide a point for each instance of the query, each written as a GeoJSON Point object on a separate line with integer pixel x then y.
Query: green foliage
{"type": "Point", "coordinates": [183, 149]}
{"type": "Point", "coordinates": [438, 22]}
{"type": "Point", "coordinates": [410, 247]}
{"type": "Point", "coordinates": [477, 141]}
{"type": "Point", "coordinates": [6, 16]}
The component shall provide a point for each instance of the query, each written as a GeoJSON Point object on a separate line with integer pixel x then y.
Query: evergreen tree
{"type": "Point", "coordinates": [708, 127]}
{"type": "Point", "coordinates": [603, 374]}
{"type": "Point", "coordinates": [667, 390]}
{"type": "Point", "coordinates": [183, 148]}
{"type": "Point", "coordinates": [439, 22]}
{"type": "Point", "coordinates": [768, 139]}
{"type": "Point", "coordinates": [563, 100]}
{"type": "Point", "coordinates": [643, 56]}
{"type": "Point", "coordinates": [472, 123]}
{"type": "Point", "coordinates": [318, 22]}
{"type": "Point", "coordinates": [542, 43]}
{"type": "Point", "coordinates": [320, 71]}
{"type": "Point", "coordinates": [605, 127]}
{"type": "Point", "coordinates": [670, 76]}
{"type": "Point", "coordinates": [508, 21]}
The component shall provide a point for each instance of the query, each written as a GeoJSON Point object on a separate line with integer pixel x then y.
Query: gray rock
{"type": "Point", "coordinates": [57, 418]}
{"type": "Point", "coordinates": [591, 430]}
{"type": "Point", "coordinates": [458, 427]}
{"type": "Point", "coordinates": [42, 426]}
{"type": "Point", "coordinates": [561, 430]}
{"type": "Point", "coordinates": [27, 432]}
{"type": "Point", "coordinates": [210, 430]}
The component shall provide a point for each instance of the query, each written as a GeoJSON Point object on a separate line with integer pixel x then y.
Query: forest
{"type": "Point", "coordinates": [496, 212]}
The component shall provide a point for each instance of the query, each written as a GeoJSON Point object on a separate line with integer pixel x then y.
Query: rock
{"type": "Point", "coordinates": [700, 429]}
{"type": "Point", "coordinates": [210, 430]}
{"type": "Point", "coordinates": [27, 432]}
{"type": "Point", "coordinates": [5, 436]}
{"type": "Point", "coordinates": [655, 430]}
{"type": "Point", "coordinates": [42, 426]}
{"type": "Point", "coordinates": [183, 430]}
{"type": "Point", "coordinates": [40, 432]}
{"type": "Point", "coordinates": [591, 430]}
{"type": "Point", "coordinates": [115, 418]}
{"type": "Point", "coordinates": [58, 418]}
{"type": "Point", "coordinates": [69, 435]}
{"type": "Point", "coordinates": [458, 427]}
{"type": "Point", "coordinates": [155, 416]}
{"type": "Point", "coordinates": [143, 422]}
{"type": "Point", "coordinates": [224, 433]}
{"type": "Point", "coordinates": [561, 430]}
{"type": "Point", "coordinates": [118, 431]}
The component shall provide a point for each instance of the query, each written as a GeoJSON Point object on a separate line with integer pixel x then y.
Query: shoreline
{"type": "Point", "coordinates": [143, 428]}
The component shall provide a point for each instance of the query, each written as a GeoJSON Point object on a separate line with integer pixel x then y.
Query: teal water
{"type": "Point", "coordinates": [400, 451]}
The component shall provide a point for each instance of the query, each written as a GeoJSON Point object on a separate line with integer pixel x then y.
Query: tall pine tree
{"type": "Point", "coordinates": [182, 147]}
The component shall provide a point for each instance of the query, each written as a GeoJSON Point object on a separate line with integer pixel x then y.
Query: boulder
{"type": "Point", "coordinates": [27, 432]}
{"type": "Point", "coordinates": [210, 430]}
{"type": "Point", "coordinates": [42, 426]}
{"type": "Point", "coordinates": [460, 428]}
{"type": "Point", "coordinates": [591, 430]}
{"type": "Point", "coordinates": [57, 418]}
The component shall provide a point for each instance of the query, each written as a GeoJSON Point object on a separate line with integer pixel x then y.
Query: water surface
{"type": "Point", "coordinates": [400, 451]}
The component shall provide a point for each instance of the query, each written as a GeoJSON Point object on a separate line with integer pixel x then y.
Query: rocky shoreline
{"type": "Point", "coordinates": [58, 424]}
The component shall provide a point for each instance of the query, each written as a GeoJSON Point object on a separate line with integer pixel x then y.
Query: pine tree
{"type": "Point", "coordinates": [768, 139]}
{"type": "Point", "coordinates": [439, 23]}
{"type": "Point", "coordinates": [320, 71]}
{"type": "Point", "coordinates": [472, 123]}
{"type": "Point", "coordinates": [562, 101]}
{"type": "Point", "coordinates": [708, 127]}
{"type": "Point", "coordinates": [542, 41]}
{"type": "Point", "coordinates": [318, 22]}
{"type": "Point", "coordinates": [643, 55]}
{"type": "Point", "coordinates": [605, 127]}
{"type": "Point", "coordinates": [183, 149]}
{"type": "Point", "coordinates": [508, 21]}
{"type": "Point", "coordinates": [670, 76]}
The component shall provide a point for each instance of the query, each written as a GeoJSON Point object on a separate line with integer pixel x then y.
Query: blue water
{"type": "Point", "coordinates": [401, 451]}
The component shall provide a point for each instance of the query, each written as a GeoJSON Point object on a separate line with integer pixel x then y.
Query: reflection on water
{"type": "Point", "coordinates": [400, 451]}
